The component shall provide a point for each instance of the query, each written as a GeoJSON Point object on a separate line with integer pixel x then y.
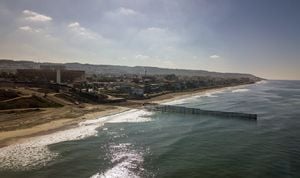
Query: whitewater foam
{"type": "Point", "coordinates": [35, 153]}
{"type": "Point", "coordinates": [133, 115]}
{"type": "Point", "coordinates": [262, 82]}
{"type": "Point", "coordinates": [189, 99]}
{"type": "Point", "coordinates": [240, 90]}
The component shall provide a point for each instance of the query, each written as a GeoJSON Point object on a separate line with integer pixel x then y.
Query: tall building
{"type": "Point", "coordinates": [52, 74]}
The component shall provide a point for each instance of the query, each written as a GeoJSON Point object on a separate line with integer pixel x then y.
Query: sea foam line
{"type": "Point", "coordinates": [34, 153]}
{"type": "Point", "coordinates": [240, 90]}
{"type": "Point", "coordinates": [188, 99]}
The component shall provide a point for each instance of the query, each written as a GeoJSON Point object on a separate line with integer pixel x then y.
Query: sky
{"type": "Point", "coordinates": [261, 37]}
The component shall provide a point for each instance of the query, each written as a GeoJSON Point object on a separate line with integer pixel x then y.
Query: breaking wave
{"type": "Point", "coordinates": [188, 99]}
{"type": "Point", "coordinates": [34, 153]}
{"type": "Point", "coordinates": [133, 115]}
{"type": "Point", "coordinates": [240, 90]}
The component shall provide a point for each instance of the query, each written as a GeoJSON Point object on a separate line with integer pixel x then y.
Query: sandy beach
{"type": "Point", "coordinates": [50, 120]}
{"type": "Point", "coordinates": [62, 123]}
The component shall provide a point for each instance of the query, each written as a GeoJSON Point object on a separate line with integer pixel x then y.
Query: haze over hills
{"type": "Point", "coordinates": [6, 64]}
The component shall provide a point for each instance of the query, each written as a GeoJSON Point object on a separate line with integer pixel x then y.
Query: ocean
{"type": "Point", "coordinates": [138, 143]}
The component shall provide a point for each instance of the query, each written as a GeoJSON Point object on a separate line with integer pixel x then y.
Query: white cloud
{"type": "Point", "coordinates": [156, 30]}
{"type": "Point", "coordinates": [81, 31]}
{"type": "Point", "coordinates": [74, 25]}
{"type": "Point", "coordinates": [214, 56]}
{"type": "Point", "coordinates": [29, 29]}
{"type": "Point", "coordinates": [126, 11]}
{"type": "Point", "coordinates": [121, 12]}
{"type": "Point", "coordinates": [142, 57]}
{"type": "Point", "coordinates": [36, 17]}
{"type": "Point", "coordinates": [25, 28]}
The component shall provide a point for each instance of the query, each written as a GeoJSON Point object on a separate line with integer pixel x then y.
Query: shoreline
{"type": "Point", "coordinates": [21, 135]}
{"type": "Point", "coordinates": [190, 94]}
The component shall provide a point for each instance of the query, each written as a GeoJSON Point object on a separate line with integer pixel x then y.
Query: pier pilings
{"type": "Point", "coordinates": [188, 110]}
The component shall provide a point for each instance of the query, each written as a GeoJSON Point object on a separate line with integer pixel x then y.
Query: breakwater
{"type": "Point", "coordinates": [187, 110]}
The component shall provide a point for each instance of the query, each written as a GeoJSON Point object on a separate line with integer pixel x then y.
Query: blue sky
{"type": "Point", "coordinates": [249, 36]}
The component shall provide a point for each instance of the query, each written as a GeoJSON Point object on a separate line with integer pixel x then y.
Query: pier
{"type": "Point", "coordinates": [197, 111]}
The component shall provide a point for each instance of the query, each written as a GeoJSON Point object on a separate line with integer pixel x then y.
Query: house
{"type": "Point", "coordinates": [137, 92]}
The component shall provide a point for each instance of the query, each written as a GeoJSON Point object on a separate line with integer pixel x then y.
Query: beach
{"type": "Point", "coordinates": [47, 121]}
{"type": "Point", "coordinates": [137, 142]}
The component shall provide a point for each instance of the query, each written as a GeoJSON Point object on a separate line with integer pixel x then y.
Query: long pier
{"type": "Point", "coordinates": [187, 110]}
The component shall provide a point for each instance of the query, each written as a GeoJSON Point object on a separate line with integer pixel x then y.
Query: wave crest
{"type": "Point", "coordinates": [34, 153]}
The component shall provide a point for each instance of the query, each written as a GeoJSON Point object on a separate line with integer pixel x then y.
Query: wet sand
{"type": "Point", "coordinates": [59, 120]}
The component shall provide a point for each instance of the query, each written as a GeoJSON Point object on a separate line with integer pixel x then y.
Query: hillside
{"type": "Point", "coordinates": [120, 70]}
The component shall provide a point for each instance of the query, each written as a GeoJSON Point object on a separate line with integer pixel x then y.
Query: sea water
{"type": "Point", "coordinates": [139, 143]}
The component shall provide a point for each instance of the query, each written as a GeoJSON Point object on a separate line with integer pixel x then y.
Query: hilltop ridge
{"type": "Point", "coordinates": [7, 64]}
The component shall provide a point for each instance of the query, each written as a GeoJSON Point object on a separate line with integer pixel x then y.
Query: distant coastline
{"type": "Point", "coordinates": [42, 98]}
{"type": "Point", "coordinates": [9, 64]}
{"type": "Point", "coordinates": [96, 111]}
